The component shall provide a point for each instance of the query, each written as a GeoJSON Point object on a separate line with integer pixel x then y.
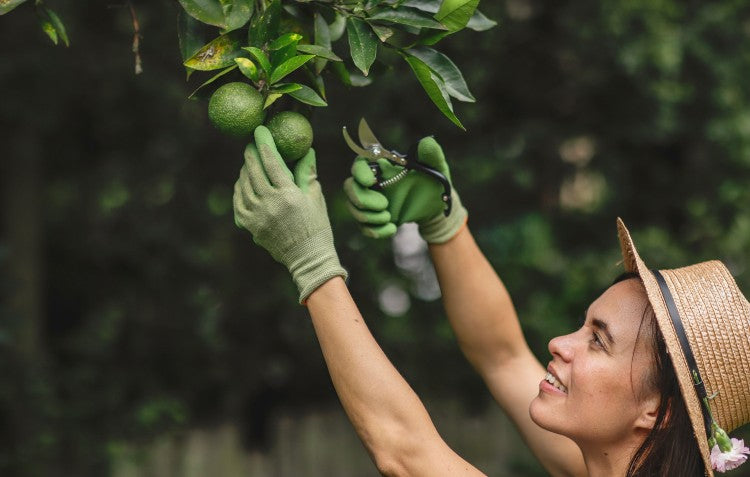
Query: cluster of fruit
{"type": "Point", "coordinates": [237, 109]}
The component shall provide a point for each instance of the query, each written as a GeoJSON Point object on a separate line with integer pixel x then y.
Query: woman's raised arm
{"type": "Point", "coordinates": [486, 325]}
{"type": "Point", "coordinates": [386, 413]}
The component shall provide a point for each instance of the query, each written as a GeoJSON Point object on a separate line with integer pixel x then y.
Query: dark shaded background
{"type": "Point", "coordinates": [133, 305]}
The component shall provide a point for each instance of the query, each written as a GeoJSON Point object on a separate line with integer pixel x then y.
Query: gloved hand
{"type": "Point", "coordinates": [415, 198]}
{"type": "Point", "coordinates": [286, 213]}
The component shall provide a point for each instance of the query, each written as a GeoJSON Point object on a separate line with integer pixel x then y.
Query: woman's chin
{"type": "Point", "coordinates": [539, 413]}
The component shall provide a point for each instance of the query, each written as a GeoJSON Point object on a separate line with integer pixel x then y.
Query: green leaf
{"type": "Point", "coordinates": [383, 32]}
{"type": "Point", "coordinates": [322, 31]}
{"type": "Point", "coordinates": [8, 5]}
{"type": "Point", "coordinates": [434, 87]}
{"type": "Point", "coordinates": [206, 11]}
{"type": "Point", "coordinates": [479, 22]}
{"type": "Point", "coordinates": [358, 80]}
{"type": "Point", "coordinates": [289, 66]}
{"type": "Point", "coordinates": [49, 30]}
{"type": "Point", "coordinates": [322, 39]}
{"type": "Point", "coordinates": [342, 73]}
{"type": "Point", "coordinates": [308, 95]}
{"type": "Point", "coordinates": [447, 70]}
{"type": "Point", "coordinates": [319, 51]}
{"type": "Point", "coordinates": [285, 40]}
{"type": "Point", "coordinates": [286, 87]}
{"type": "Point", "coordinates": [219, 53]}
{"type": "Point", "coordinates": [337, 27]}
{"type": "Point", "coordinates": [281, 55]}
{"type": "Point", "coordinates": [260, 57]}
{"type": "Point", "coordinates": [212, 79]}
{"type": "Point", "coordinates": [271, 98]}
{"type": "Point", "coordinates": [363, 44]}
{"type": "Point", "coordinates": [319, 85]}
{"type": "Point", "coordinates": [188, 34]}
{"type": "Point", "coordinates": [406, 16]}
{"type": "Point", "coordinates": [266, 26]}
{"type": "Point", "coordinates": [59, 27]}
{"type": "Point", "coordinates": [430, 6]}
{"type": "Point", "coordinates": [455, 14]}
{"type": "Point", "coordinates": [236, 13]}
{"type": "Point", "coordinates": [248, 68]}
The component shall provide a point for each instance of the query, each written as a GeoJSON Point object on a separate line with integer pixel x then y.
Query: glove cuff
{"type": "Point", "coordinates": [313, 262]}
{"type": "Point", "coordinates": [440, 229]}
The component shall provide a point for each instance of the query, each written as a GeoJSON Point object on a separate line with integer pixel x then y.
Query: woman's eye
{"type": "Point", "coordinates": [596, 341]}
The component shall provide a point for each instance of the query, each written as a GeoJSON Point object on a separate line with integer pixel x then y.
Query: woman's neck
{"type": "Point", "coordinates": [608, 461]}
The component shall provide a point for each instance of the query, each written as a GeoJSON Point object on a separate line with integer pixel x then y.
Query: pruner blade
{"type": "Point", "coordinates": [366, 136]}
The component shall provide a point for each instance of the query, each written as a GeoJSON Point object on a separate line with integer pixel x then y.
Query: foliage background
{"type": "Point", "coordinates": [132, 306]}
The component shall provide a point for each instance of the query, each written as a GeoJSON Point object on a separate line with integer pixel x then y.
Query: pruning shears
{"type": "Point", "coordinates": [372, 150]}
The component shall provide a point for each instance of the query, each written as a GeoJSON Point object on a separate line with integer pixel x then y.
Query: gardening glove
{"type": "Point", "coordinates": [415, 198]}
{"type": "Point", "coordinates": [286, 213]}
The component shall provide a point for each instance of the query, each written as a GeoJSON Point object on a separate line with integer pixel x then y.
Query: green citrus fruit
{"type": "Point", "coordinates": [236, 109]}
{"type": "Point", "coordinates": [292, 134]}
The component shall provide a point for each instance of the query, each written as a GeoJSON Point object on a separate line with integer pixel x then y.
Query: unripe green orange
{"type": "Point", "coordinates": [236, 109]}
{"type": "Point", "coordinates": [292, 134]}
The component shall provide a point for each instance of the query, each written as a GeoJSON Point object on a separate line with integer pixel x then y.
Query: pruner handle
{"type": "Point", "coordinates": [440, 177]}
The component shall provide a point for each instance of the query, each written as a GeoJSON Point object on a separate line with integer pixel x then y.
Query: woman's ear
{"type": "Point", "coordinates": [649, 412]}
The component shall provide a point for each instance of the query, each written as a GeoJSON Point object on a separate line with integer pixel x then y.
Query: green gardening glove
{"type": "Point", "coordinates": [415, 198]}
{"type": "Point", "coordinates": [286, 213]}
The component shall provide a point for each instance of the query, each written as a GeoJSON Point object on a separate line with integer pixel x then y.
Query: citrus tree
{"type": "Point", "coordinates": [283, 47]}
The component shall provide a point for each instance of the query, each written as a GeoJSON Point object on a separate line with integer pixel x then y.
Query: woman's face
{"type": "Point", "coordinates": [601, 372]}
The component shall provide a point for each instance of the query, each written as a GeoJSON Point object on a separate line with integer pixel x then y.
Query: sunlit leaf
{"type": "Point", "coordinates": [289, 66]}
{"type": "Point", "coordinates": [407, 16]}
{"type": "Point", "coordinates": [455, 14]}
{"type": "Point", "coordinates": [286, 87]}
{"type": "Point", "coordinates": [213, 78]}
{"type": "Point", "coordinates": [49, 30]}
{"type": "Point", "coordinates": [206, 11]}
{"type": "Point", "coordinates": [248, 68]}
{"type": "Point", "coordinates": [434, 87]}
{"type": "Point", "coordinates": [265, 27]}
{"type": "Point", "coordinates": [58, 25]}
{"type": "Point", "coordinates": [219, 53]}
{"type": "Point", "coordinates": [308, 95]}
{"type": "Point", "coordinates": [283, 54]}
{"type": "Point", "coordinates": [271, 98]}
{"type": "Point", "coordinates": [284, 40]}
{"type": "Point", "coordinates": [8, 5]}
{"type": "Point", "coordinates": [477, 22]}
{"type": "Point", "coordinates": [363, 43]}
{"type": "Point", "coordinates": [260, 57]}
{"type": "Point", "coordinates": [447, 70]}
{"type": "Point", "coordinates": [318, 51]}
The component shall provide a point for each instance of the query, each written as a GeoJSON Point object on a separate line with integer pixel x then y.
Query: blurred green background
{"type": "Point", "coordinates": [137, 322]}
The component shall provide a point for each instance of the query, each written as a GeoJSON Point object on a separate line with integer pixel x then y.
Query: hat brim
{"type": "Point", "coordinates": [634, 263]}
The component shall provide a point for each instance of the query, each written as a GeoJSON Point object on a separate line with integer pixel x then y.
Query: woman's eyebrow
{"type": "Point", "coordinates": [597, 323]}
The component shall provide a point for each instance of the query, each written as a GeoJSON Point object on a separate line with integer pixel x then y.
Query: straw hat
{"type": "Point", "coordinates": [700, 308]}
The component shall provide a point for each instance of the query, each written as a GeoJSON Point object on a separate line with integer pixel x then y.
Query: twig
{"type": "Point", "coordinates": [136, 39]}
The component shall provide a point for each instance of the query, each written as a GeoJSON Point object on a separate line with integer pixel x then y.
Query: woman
{"type": "Point", "coordinates": [619, 395]}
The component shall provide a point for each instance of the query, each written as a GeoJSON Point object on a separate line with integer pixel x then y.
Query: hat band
{"type": "Point", "coordinates": [700, 388]}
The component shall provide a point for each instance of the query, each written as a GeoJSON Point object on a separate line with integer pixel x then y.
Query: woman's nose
{"type": "Point", "coordinates": [562, 346]}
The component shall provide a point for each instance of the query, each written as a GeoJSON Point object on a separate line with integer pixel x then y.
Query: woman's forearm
{"type": "Point", "coordinates": [386, 413]}
{"type": "Point", "coordinates": [478, 306]}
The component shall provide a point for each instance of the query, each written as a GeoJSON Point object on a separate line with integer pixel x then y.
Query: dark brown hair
{"type": "Point", "coordinates": [670, 448]}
